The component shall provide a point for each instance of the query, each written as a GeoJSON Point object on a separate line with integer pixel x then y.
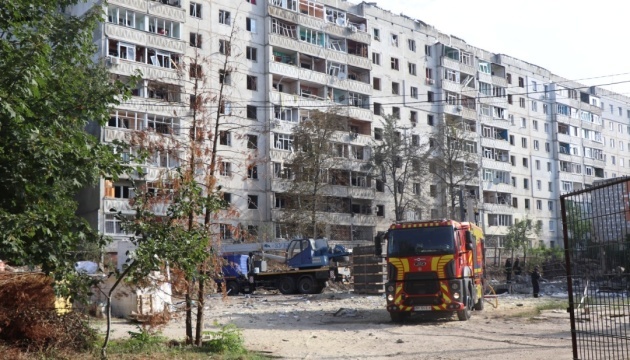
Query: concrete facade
{"type": "Point", "coordinates": [535, 134]}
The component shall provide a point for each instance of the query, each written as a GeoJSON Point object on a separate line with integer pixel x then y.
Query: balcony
{"type": "Point", "coordinates": [293, 100]}
{"type": "Point", "coordinates": [499, 81]}
{"type": "Point", "coordinates": [144, 38]}
{"type": "Point", "coordinates": [500, 187]}
{"type": "Point", "coordinates": [351, 219]}
{"type": "Point", "coordinates": [496, 165]}
{"type": "Point", "coordinates": [495, 143]}
{"type": "Point", "coordinates": [294, 72]}
{"type": "Point", "coordinates": [565, 176]}
{"type": "Point", "coordinates": [491, 121]}
{"type": "Point", "coordinates": [498, 208]}
{"type": "Point", "coordinates": [451, 86]}
{"type": "Point", "coordinates": [170, 9]}
{"type": "Point", "coordinates": [460, 110]}
{"type": "Point", "coordinates": [319, 51]}
{"type": "Point", "coordinates": [334, 218]}
{"type": "Point", "coordinates": [484, 77]}
{"type": "Point", "coordinates": [117, 204]}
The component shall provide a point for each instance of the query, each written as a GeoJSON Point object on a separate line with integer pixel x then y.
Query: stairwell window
{"type": "Point", "coordinates": [250, 25]}
{"type": "Point", "coordinates": [225, 138]}
{"type": "Point", "coordinates": [412, 69]}
{"type": "Point", "coordinates": [225, 17]}
{"type": "Point", "coordinates": [251, 53]}
{"type": "Point", "coordinates": [252, 82]}
{"type": "Point", "coordinates": [225, 47]}
{"type": "Point", "coordinates": [413, 92]}
{"type": "Point", "coordinates": [225, 169]}
{"type": "Point", "coordinates": [225, 231]}
{"type": "Point", "coordinates": [395, 88]}
{"type": "Point", "coordinates": [376, 34]}
{"type": "Point", "coordinates": [252, 172]}
{"type": "Point", "coordinates": [411, 44]}
{"type": "Point", "coordinates": [376, 58]}
{"type": "Point", "coordinates": [195, 10]}
{"type": "Point", "coordinates": [394, 64]}
{"type": "Point", "coordinates": [195, 40]}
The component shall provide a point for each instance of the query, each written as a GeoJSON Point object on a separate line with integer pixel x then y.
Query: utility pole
{"type": "Point", "coordinates": [462, 209]}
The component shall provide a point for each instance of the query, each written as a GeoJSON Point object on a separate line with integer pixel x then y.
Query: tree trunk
{"type": "Point", "coordinates": [189, 332]}
{"type": "Point", "coordinates": [200, 305]}
{"type": "Point", "coordinates": [108, 308]}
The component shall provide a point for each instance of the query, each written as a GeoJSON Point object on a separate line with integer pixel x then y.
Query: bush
{"type": "Point", "coordinates": [29, 320]}
{"type": "Point", "coordinates": [227, 340]}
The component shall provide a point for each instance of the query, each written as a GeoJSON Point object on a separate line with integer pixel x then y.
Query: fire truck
{"type": "Point", "coordinates": [433, 266]}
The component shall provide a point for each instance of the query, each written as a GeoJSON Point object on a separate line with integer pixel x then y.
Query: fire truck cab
{"type": "Point", "coordinates": [433, 266]}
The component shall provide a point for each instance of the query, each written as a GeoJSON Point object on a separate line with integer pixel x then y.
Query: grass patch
{"type": "Point", "coordinates": [226, 343]}
{"type": "Point", "coordinates": [538, 308]}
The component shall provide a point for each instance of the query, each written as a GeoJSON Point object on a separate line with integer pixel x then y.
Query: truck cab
{"type": "Point", "coordinates": [433, 266]}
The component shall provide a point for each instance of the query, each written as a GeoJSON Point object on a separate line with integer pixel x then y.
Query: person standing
{"type": "Point", "coordinates": [536, 281]}
{"type": "Point", "coordinates": [517, 267]}
{"type": "Point", "coordinates": [508, 270]}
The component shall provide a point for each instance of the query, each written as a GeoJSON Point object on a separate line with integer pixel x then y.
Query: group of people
{"type": "Point", "coordinates": [516, 269]}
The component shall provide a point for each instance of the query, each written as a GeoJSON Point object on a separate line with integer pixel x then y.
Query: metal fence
{"type": "Point", "coordinates": [596, 228]}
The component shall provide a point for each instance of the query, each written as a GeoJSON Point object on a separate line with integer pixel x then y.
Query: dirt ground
{"type": "Point", "coordinates": [338, 324]}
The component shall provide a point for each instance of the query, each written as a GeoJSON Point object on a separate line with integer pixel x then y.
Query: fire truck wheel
{"type": "Point", "coordinates": [232, 288]}
{"type": "Point", "coordinates": [398, 317]}
{"type": "Point", "coordinates": [465, 314]}
{"type": "Point", "coordinates": [286, 285]}
{"type": "Point", "coordinates": [307, 285]}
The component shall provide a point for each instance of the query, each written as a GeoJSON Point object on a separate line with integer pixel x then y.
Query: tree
{"type": "Point", "coordinates": [519, 234]}
{"type": "Point", "coordinates": [313, 167]}
{"type": "Point", "coordinates": [399, 163]}
{"type": "Point", "coordinates": [579, 225]}
{"type": "Point", "coordinates": [50, 90]}
{"type": "Point", "coordinates": [184, 236]}
{"type": "Point", "coordinates": [453, 160]}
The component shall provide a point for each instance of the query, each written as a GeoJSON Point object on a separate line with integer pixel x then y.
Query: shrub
{"type": "Point", "coordinates": [227, 340]}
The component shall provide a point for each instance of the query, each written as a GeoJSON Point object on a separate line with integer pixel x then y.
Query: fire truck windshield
{"type": "Point", "coordinates": [420, 241]}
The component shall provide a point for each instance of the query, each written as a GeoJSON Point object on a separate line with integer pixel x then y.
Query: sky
{"type": "Point", "coordinates": [575, 39]}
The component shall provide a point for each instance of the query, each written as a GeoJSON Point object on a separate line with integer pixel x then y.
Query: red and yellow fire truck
{"type": "Point", "coordinates": [433, 266]}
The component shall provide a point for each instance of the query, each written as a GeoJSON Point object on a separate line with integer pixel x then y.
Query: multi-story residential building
{"type": "Point", "coordinates": [534, 134]}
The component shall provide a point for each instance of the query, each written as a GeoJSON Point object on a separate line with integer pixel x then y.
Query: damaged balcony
{"type": "Point", "coordinates": [497, 73]}
{"type": "Point", "coordinates": [140, 54]}
{"type": "Point", "coordinates": [284, 28]}
{"type": "Point", "coordinates": [498, 201]}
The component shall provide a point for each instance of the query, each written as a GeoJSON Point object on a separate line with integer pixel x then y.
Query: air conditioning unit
{"type": "Point", "coordinates": [430, 81]}
{"type": "Point", "coordinates": [114, 60]}
{"type": "Point", "coordinates": [353, 28]}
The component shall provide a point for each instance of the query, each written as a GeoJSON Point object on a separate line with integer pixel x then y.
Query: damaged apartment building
{"type": "Point", "coordinates": [533, 135]}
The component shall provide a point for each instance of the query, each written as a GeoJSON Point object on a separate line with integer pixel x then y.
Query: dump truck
{"type": "Point", "coordinates": [433, 266]}
{"type": "Point", "coordinates": [311, 263]}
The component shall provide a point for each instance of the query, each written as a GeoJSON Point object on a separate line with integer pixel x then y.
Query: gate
{"type": "Point", "coordinates": [596, 229]}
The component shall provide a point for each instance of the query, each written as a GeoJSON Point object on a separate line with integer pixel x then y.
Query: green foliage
{"type": "Point", "coordinates": [51, 90]}
{"type": "Point", "coordinates": [398, 162]}
{"type": "Point", "coordinates": [519, 234]}
{"type": "Point", "coordinates": [313, 166]}
{"type": "Point", "coordinates": [144, 338]}
{"type": "Point", "coordinates": [226, 340]}
{"type": "Point", "coordinates": [578, 225]}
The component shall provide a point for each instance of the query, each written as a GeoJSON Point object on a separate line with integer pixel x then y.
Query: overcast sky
{"type": "Point", "coordinates": [572, 38]}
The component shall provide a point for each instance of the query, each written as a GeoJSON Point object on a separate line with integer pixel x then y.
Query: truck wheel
{"type": "Point", "coordinates": [286, 285]}
{"type": "Point", "coordinates": [232, 288]}
{"type": "Point", "coordinates": [464, 315]}
{"type": "Point", "coordinates": [307, 285]}
{"type": "Point", "coordinates": [398, 317]}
